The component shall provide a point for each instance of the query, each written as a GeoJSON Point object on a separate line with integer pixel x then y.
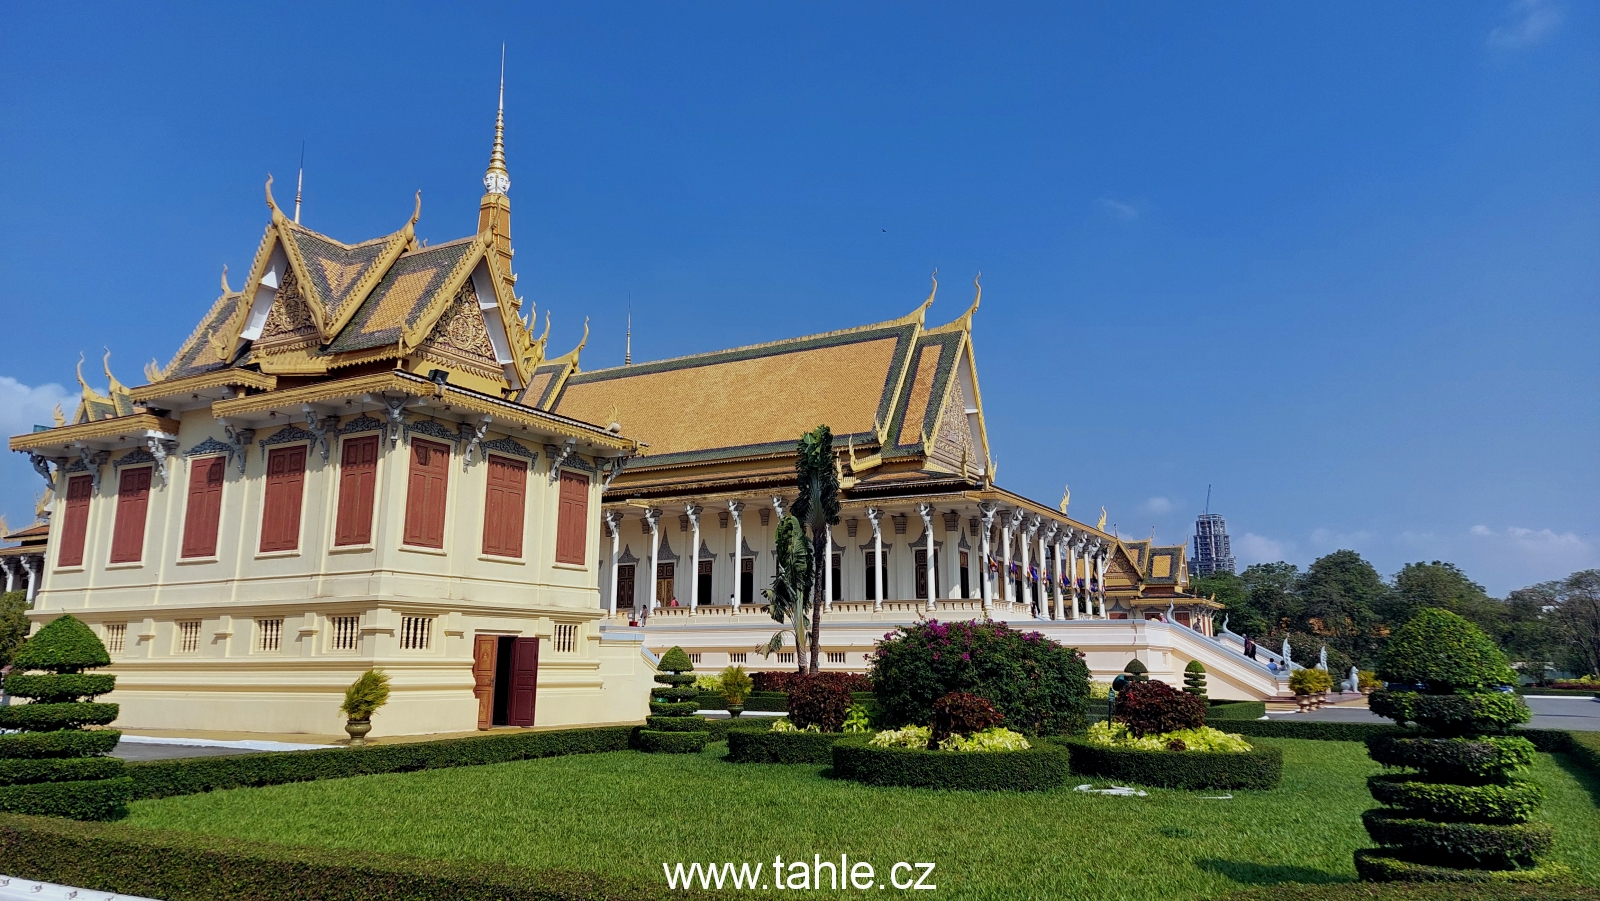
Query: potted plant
{"type": "Point", "coordinates": [736, 686]}
{"type": "Point", "coordinates": [362, 699]}
{"type": "Point", "coordinates": [1307, 684]}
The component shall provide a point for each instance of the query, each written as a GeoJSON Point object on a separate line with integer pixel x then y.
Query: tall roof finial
{"type": "Point", "coordinates": [497, 180]}
{"type": "Point", "coordinates": [300, 182]}
{"type": "Point", "coordinates": [627, 352]}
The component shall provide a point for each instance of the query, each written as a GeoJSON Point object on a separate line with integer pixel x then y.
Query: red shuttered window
{"type": "Point", "coordinates": [425, 493]}
{"type": "Point", "coordinates": [204, 509]}
{"type": "Point", "coordinates": [572, 521]}
{"type": "Point", "coordinates": [504, 506]}
{"type": "Point", "coordinates": [358, 480]}
{"type": "Point", "coordinates": [75, 524]}
{"type": "Point", "coordinates": [133, 501]}
{"type": "Point", "coordinates": [280, 515]}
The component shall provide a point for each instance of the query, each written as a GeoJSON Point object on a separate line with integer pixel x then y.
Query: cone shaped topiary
{"type": "Point", "coordinates": [1462, 813]}
{"type": "Point", "coordinates": [1194, 678]}
{"type": "Point", "coordinates": [674, 727]}
{"type": "Point", "coordinates": [1137, 672]}
{"type": "Point", "coordinates": [49, 766]}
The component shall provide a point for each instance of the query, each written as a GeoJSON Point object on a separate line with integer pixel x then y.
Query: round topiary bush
{"type": "Point", "coordinates": [1462, 808]}
{"type": "Point", "coordinates": [1043, 766]}
{"type": "Point", "coordinates": [1041, 687]}
{"type": "Point", "coordinates": [48, 767]}
{"type": "Point", "coordinates": [1137, 671]}
{"type": "Point", "coordinates": [674, 727]}
{"type": "Point", "coordinates": [1194, 679]}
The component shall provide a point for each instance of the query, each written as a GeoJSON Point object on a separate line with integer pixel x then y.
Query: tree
{"type": "Point", "coordinates": [786, 599]}
{"type": "Point", "coordinates": [1443, 586]}
{"type": "Point", "coordinates": [1341, 597]}
{"type": "Point", "coordinates": [1230, 591]}
{"type": "Point", "coordinates": [1577, 612]}
{"type": "Point", "coordinates": [13, 623]}
{"type": "Point", "coordinates": [816, 470]}
{"type": "Point", "coordinates": [1270, 594]}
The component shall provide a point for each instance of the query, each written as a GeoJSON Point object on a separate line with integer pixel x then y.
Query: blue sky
{"type": "Point", "coordinates": [1338, 261]}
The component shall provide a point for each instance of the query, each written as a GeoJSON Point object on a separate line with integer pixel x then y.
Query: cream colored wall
{"type": "Point", "coordinates": [228, 683]}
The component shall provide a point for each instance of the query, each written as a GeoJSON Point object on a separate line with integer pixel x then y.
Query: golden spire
{"type": "Point", "coordinates": [497, 180]}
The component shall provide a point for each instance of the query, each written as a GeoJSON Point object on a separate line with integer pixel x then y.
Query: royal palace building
{"type": "Point", "coordinates": [364, 457]}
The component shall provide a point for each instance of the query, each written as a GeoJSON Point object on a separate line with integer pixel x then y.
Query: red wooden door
{"type": "Point", "coordinates": [75, 525]}
{"type": "Point", "coordinates": [425, 493]}
{"type": "Point", "coordinates": [204, 508]}
{"type": "Point", "coordinates": [483, 656]}
{"type": "Point", "coordinates": [524, 681]}
{"type": "Point", "coordinates": [358, 479]}
{"type": "Point", "coordinates": [133, 502]}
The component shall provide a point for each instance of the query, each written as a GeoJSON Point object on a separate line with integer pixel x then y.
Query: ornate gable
{"type": "Point", "coordinates": [289, 324]}
{"type": "Point", "coordinates": [460, 339]}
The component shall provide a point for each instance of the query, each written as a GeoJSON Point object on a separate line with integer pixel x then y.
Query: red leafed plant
{"type": "Point", "coordinates": [960, 713]}
{"type": "Point", "coordinates": [820, 702]}
{"type": "Point", "coordinates": [1154, 708]}
{"type": "Point", "coordinates": [786, 681]}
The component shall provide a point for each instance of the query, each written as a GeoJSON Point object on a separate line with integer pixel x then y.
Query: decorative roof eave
{"type": "Point", "coordinates": [505, 413]}
{"type": "Point", "coordinates": [228, 336]}
{"type": "Point", "coordinates": [222, 378]}
{"type": "Point", "coordinates": [527, 353]}
{"type": "Point", "coordinates": [109, 432]}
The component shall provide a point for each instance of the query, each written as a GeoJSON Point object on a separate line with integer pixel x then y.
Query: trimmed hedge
{"type": "Point", "coordinates": [1460, 760]}
{"type": "Point", "coordinates": [63, 645]}
{"type": "Point", "coordinates": [673, 742]}
{"type": "Point", "coordinates": [191, 775]}
{"type": "Point", "coordinates": [1044, 766]}
{"type": "Point", "coordinates": [1550, 741]}
{"type": "Point", "coordinates": [1446, 652]}
{"type": "Point", "coordinates": [1235, 710]}
{"type": "Point", "coordinates": [1467, 845]}
{"type": "Point", "coordinates": [1535, 884]}
{"type": "Point", "coordinates": [88, 799]}
{"type": "Point", "coordinates": [190, 867]}
{"type": "Point", "coordinates": [676, 723]}
{"type": "Point", "coordinates": [1514, 802]}
{"type": "Point", "coordinates": [58, 769]}
{"type": "Point", "coordinates": [752, 746]}
{"type": "Point", "coordinates": [33, 745]}
{"type": "Point", "coordinates": [1260, 768]}
{"type": "Point", "coordinates": [1452, 714]}
{"type": "Point", "coordinates": [63, 687]}
{"type": "Point", "coordinates": [763, 701]}
{"type": "Point", "coordinates": [52, 717]}
{"type": "Point", "coordinates": [674, 708]}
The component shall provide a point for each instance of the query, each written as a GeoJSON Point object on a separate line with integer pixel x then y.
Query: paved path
{"type": "Point", "coordinates": [167, 752]}
{"type": "Point", "coordinates": [1581, 714]}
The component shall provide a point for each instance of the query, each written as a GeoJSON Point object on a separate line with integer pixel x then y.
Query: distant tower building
{"type": "Point", "coordinates": [1212, 553]}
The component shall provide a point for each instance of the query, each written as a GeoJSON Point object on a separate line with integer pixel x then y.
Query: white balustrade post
{"type": "Point", "coordinates": [736, 510]}
{"type": "Point", "coordinates": [694, 557]}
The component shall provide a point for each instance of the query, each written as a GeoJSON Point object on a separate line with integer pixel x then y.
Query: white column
{"type": "Point", "coordinates": [987, 510]}
{"type": "Point", "coordinates": [694, 556]}
{"type": "Point", "coordinates": [613, 521]}
{"type": "Point", "coordinates": [11, 575]}
{"type": "Point", "coordinates": [1100, 568]}
{"type": "Point", "coordinates": [1005, 556]}
{"type": "Point", "coordinates": [876, 516]}
{"type": "Point", "coordinates": [925, 510]}
{"type": "Point", "coordinates": [652, 521]}
{"type": "Point", "coordinates": [827, 577]}
{"type": "Point", "coordinates": [35, 570]}
{"type": "Point", "coordinates": [1044, 577]}
{"type": "Point", "coordinates": [735, 509]}
{"type": "Point", "coordinates": [1072, 573]}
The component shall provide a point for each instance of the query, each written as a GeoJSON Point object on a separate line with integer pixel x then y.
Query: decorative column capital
{"type": "Point", "coordinates": [652, 519]}
{"type": "Point", "coordinates": [778, 505]}
{"type": "Point", "coordinates": [693, 511]}
{"type": "Point", "coordinates": [613, 521]}
{"type": "Point", "coordinates": [875, 516]}
{"type": "Point", "coordinates": [925, 510]}
{"type": "Point", "coordinates": [736, 508]}
{"type": "Point", "coordinates": [1014, 518]}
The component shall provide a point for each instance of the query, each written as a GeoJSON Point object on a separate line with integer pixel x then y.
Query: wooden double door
{"type": "Point", "coordinates": [505, 679]}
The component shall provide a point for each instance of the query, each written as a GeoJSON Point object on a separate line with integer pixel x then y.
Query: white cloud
{"type": "Point", "coordinates": [1251, 548]}
{"type": "Point", "coordinates": [1530, 21]}
{"type": "Point", "coordinates": [1330, 540]}
{"type": "Point", "coordinates": [1127, 212]}
{"type": "Point", "coordinates": [24, 406]}
{"type": "Point", "coordinates": [1159, 506]}
{"type": "Point", "coordinates": [1543, 550]}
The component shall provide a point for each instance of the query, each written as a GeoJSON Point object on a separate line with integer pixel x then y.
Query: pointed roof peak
{"type": "Point", "coordinates": [496, 179]}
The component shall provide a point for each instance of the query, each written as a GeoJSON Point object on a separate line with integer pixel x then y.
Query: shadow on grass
{"type": "Point", "coordinates": [1580, 774]}
{"type": "Point", "coordinates": [1248, 873]}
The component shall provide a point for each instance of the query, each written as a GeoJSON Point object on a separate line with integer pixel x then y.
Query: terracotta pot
{"type": "Point", "coordinates": [734, 710]}
{"type": "Point", "coordinates": [358, 730]}
{"type": "Point", "coordinates": [1304, 701]}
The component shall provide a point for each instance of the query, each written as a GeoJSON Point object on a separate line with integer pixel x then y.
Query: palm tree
{"type": "Point", "coordinates": [817, 473]}
{"type": "Point", "coordinates": [786, 599]}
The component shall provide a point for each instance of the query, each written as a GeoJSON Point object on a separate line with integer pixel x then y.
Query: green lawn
{"type": "Point", "coordinates": [625, 813]}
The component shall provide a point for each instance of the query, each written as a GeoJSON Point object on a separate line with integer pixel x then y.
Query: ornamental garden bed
{"type": "Point", "coordinates": [757, 745]}
{"type": "Point", "coordinates": [1261, 767]}
{"type": "Point", "coordinates": [1043, 766]}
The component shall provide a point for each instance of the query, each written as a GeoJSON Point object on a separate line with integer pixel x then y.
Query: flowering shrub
{"type": "Point", "coordinates": [856, 719]}
{"type": "Point", "coordinates": [909, 737]}
{"type": "Point", "coordinates": [820, 702]}
{"type": "Point", "coordinates": [1204, 738]}
{"type": "Point", "coordinates": [782, 724]}
{"type": "Point", "coordinates": [786, 681]}
{"type": "Point", "coordinates": [1039, 685]}
{"type": "Point", "coordinates": [1151, 708]}
{"type": "Point", "coordinates": [960, 713]}
{"type": "Point", "coordinates": [995, 738]}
